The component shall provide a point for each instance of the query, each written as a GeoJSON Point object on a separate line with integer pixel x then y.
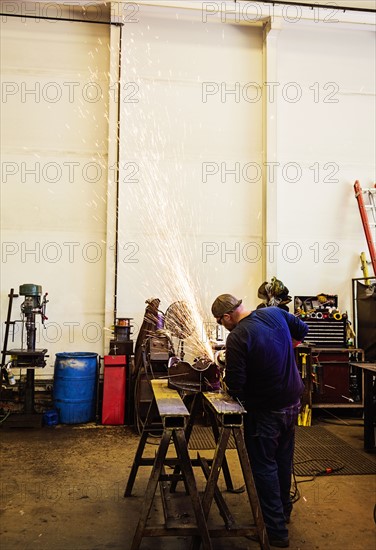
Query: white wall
{"type": "Point", "coordinates": [54, 175]}
{"type": "Point", "coordinates": [330, 136]}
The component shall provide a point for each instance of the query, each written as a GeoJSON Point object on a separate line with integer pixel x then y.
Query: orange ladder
{"type": "Point", "coordinates": [365, 206]}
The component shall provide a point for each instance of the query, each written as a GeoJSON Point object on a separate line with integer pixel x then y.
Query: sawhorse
{"type": "Point", "coordinates": [226, 416]}
{"type": "Point", "coordinates": [174, 415]}
{"type": "Point", "coordinates": [226, 419]}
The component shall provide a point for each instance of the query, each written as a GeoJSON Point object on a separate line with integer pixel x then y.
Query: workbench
{"type": "Point", "coordinates": [175, 426]}
{"type": "Point", "coordinates": [369, 370]}
{"type": "Point", "coordinates": [326, 373]}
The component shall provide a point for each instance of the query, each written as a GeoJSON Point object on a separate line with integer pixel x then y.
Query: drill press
{"type": "Point", "coordinates": [27, 356]}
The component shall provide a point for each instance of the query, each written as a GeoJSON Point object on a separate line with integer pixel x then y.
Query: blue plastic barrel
{"type": "Point", "coordinates": [75, 379]}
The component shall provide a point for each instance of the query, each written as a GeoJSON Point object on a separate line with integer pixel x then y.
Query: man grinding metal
{"type": "Point", "coordinates": [261, 372]}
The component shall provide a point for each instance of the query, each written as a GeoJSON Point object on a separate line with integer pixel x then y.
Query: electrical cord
{"type": "Point", "coordinates": [295, 493]}
{"type": "Point", "coordinates": [5, 417]}
{"type": "Point", "coordinates": [322, 472]}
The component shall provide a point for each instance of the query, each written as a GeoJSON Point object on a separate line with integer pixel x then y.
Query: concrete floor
{"type": "Point", "coordinates": [62, 488]}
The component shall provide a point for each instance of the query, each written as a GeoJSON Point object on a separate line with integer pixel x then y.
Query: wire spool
{"type": "Point", "coordinates": [319, 315]}
{"type": "Point", "coordinates": [122, 329]}
{"type": "Point", "coordinates": [337, 316]}
{"type": "Point", "coordinates": [313, 315]}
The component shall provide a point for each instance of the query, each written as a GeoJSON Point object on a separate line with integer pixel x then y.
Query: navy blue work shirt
{"type": "Point", "coordinates": [260, 363]}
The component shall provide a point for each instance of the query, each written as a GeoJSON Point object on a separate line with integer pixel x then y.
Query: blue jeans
{"type": "Point", "coordinates": [270, 439]}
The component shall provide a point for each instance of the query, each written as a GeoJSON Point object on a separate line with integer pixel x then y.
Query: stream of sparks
{"type": "Point", "coordinates": [165, 227]}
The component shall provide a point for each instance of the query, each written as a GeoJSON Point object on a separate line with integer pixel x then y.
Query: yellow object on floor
{"type": "Point", "coordinates": [304, 418]}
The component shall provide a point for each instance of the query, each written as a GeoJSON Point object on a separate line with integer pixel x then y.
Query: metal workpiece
{"type": "Point", "coordinates": [229, 412]}
{"type": "Point", "coordinates": [173, 412]}
{"type": "Point", "coordinates": [202, 375]}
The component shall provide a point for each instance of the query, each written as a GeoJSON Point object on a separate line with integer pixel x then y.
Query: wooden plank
{"type": "Point", "coordinates": [251, 489]}
{"type": "Point", "coordinates": [178, 510]}
{"type": "Point", "coordinates": [221, 503]}
{"type": "Point", "coordinates": [23, 420]}
{"type": "Point", "coordinates": [151, 488]}
{"type": "Point", "coordinates": [365, 366]}
{"type": "Point", "coordinates": [186, 531]}
{"type": "Point", "coordinates": [190, 484]}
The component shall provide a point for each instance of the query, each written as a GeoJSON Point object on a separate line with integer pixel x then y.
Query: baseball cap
{"type": "Point", "coordinates": [224, 304]}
